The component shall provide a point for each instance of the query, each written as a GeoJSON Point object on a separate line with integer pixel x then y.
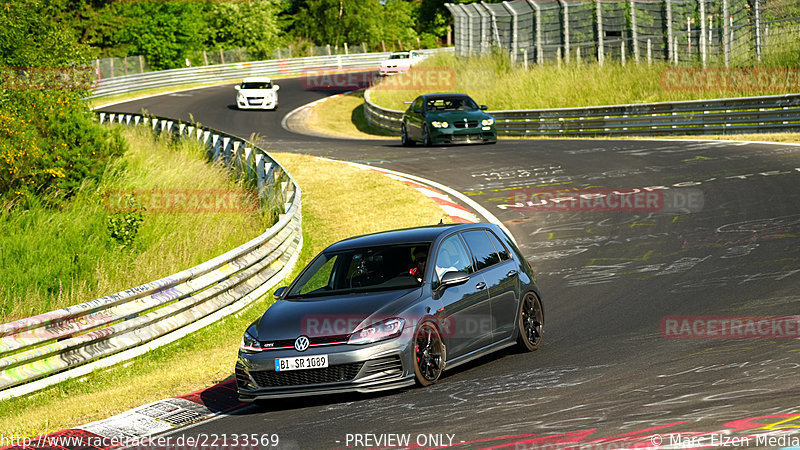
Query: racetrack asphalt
{"type": "Point", "coordinates": [619, 287]}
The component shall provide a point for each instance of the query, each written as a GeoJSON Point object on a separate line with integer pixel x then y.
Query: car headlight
{"type": "Point", "coordinates": [249, 343]}
{"type": "Point", "coordinates": [440, 124]}
{"type": "Point", "coordinates": [240, 97]}
{"type": "Point", "coordinates": [487, 122]}
{"type": "Point", "coordinates": [380, 331]}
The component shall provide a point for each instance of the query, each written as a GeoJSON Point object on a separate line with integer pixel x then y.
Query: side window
{"type": "Point", "coordinates": [501, 250]}
{"type": "Point", "coordinates": [417, 105]}
{"type": "Point", "coordinates": [452, 256]}
{"type": "Point", "coordinates": [481, 247]}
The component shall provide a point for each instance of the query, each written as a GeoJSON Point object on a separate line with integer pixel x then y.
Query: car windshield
{"type": "Point", "coordinates": [403, 56]}
{"type": "Point", "coordinates": [257, 85]}
{"type": "Point", "coordinates": [360, 270]}
{"type": "Point", "coordinates": [451, 104]}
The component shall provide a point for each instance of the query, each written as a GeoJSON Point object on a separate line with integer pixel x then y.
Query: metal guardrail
{"type": "Point", "coordinates": [38, 351]}
{"type": "Point", "coordinates": [720, 116]}
{"type": "Point", "coordinates": [42, 350]}
{"type": "Point", "coordinates": [235, 72]}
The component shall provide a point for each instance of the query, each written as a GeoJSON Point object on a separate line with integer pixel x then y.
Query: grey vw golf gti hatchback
{"type": "Point", "coordinates": [389, 309]}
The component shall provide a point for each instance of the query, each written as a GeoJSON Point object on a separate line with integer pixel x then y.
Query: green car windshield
{"type": "Point", "coordinates": [451, 104]}
{"type": "Point", "coordinates": [361, 270]}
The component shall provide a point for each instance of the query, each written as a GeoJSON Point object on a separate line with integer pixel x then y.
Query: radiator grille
{"type": "Point", "coordinates": [333, 374]}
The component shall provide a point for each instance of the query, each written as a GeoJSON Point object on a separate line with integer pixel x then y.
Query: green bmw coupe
{"type": "Point", "coordinates": [447, 119]}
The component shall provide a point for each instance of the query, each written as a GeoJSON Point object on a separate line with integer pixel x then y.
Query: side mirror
{"type": "Point", "coordinates": [454, 278]}
{"type": "Point", "coordinates": [279, 292]}
{"type": "Point", "coordinates": [417, 111]}
{"type": "Point", "coordinates": [237, 87]}
{"type": "Point", "coordinates": [275, 87]}
{"type": "Point", "coordinates": [484, 107]}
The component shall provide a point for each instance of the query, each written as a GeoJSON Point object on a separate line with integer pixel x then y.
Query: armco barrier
{"type": "Point", "coordinates": [42, 350]}
{"type": "Point", "coordinates": [235, 72]}
{"type": "Point", "coordinates": [721, 116]}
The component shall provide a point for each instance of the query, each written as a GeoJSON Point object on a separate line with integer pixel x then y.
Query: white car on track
{"type": "Point", "coordinates": [399, 62]}
{"type": "Point", "coordinates": [257, 93]}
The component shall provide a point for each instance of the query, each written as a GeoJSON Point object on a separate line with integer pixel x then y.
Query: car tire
{"type": "Point", "coordinates": [426, 137]}
{"type": "Point", "coordinates": [404, 139]}
{"type": "Point", "coordinates": [429, 354]}
{"type": "Point", "coordinates": [531, 322]}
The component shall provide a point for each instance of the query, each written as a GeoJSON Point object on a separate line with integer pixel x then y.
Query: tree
{"type": "Point", "coordinates": [253, 25]}
{"type": "Point", "coordinates": [164, 32]}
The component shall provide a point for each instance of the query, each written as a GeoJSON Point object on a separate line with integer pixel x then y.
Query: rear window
{"type": "Point", "coordinates": [501, 250]}
{"type": "Point", "coordinates": [483, 251]}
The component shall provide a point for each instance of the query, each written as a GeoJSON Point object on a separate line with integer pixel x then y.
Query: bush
{"type": "Point", "coordinates": [50, 145]}
{"type": "Point", "coordinates": [124, 226]}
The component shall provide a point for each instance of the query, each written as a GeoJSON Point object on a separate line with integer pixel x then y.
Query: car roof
{"type": "Point", "coordinates": [256, 80]}
{"type": "Point", "coordinates": [444, 95]}
{"type": "Point", "coordinates": [403, 236]}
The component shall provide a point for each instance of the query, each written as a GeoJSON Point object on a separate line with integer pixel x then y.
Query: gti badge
{"type": "Point", "coordinates": [301, 344]}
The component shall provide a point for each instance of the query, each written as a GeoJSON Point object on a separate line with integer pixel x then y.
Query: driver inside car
{"type": "Point", "coordinates": [420, 257]}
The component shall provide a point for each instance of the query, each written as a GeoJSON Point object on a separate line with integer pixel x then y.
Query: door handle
{"type": "Point", "coordinates": [511, 273]}
{"type": "Point", "coordinates": [480, 286]}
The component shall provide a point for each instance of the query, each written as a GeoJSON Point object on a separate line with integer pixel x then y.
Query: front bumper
{"type": "Point", "coordinates": [257, 102]}
{"type": "Point", "coordinates": [470, 135]}
{"type": "Point", "coordinates": [351, 368]}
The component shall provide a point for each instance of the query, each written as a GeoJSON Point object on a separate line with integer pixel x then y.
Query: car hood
{"type": "Point", "coordinates": [451, 116]}
{"type": "Point", "coordinates": [331, 316]}
{"type": "Point", "coordinates": [255, 92]}
{"type": "Point", "coordinates": [396, 62]}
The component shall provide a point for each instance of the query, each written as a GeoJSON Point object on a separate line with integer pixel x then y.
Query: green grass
{"type": "Point", "coordinates": [367, 202]}
{"type": "Point", "coordinates": [52, 258]}
{"type": "Point", "coordinates": [343, 116]}
{"type": "Point", "coordinates": [492, 80]}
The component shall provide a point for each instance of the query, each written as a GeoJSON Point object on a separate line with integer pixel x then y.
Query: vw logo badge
{"type": "Point", "coordinates": [301, 344]}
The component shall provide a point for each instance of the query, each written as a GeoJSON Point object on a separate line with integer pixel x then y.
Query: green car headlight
{"type": "Point", "coordinates": [440, 124]}
{"type": "Point", "coordinates": [487, 122]}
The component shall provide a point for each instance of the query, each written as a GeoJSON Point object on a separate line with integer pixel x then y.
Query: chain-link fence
{"type": "Point", "coordinates": [115, 67]}
{"type": "Point", "coordinates": [690, 32]}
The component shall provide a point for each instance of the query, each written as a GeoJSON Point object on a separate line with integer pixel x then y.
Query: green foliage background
{"type": "Point", "coordinates": [49, 142]}
{"type": "Point", "coordinates": [166, 33]}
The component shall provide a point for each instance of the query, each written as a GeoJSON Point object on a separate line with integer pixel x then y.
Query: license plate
{"type": "Point", "coordinates": [301, 363]}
